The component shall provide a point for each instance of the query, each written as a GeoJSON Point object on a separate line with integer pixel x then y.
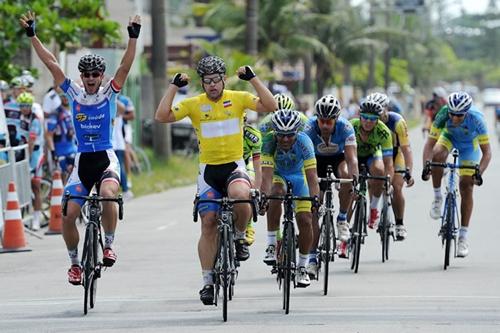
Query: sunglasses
{"type": "Point", "coordinates": [89, 74]}
{"type": "Point", "coordinates": [216, 79]}
{"type": "Point", "coordinates": [327, 121]}
{"type": "Point", "coordinates": [285, 135]}
{"type": "Point", "coordinates": [25, 106]}
{"type": "Point", "coordinates": [459, 115]}
{"type": "Point", "coordinates": [369, 117]}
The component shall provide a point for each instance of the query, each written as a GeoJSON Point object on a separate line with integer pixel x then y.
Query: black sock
{"type": "Point", "coordinates": [399, 221]}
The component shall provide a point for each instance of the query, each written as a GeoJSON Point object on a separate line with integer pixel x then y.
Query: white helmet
{"type": "Point", "coordinates": [327, 107]}
{"type": "Point", "coordinates": [379, 98]}
{"type": "Point", "coordinates": [286, 121]}
{"type": "Point", "coordinates": [440, 92]}
{"type": "Point", "coordinates": [459, 102]}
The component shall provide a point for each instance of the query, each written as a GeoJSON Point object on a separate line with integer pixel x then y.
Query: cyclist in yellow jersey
{"type": "Point", "coordinates": [217, 117]}
{"type": "Point", "coordinates": [402, 157]}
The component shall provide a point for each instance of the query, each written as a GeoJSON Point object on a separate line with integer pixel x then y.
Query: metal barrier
{"type": "Point", "coordinates": [19, 172]}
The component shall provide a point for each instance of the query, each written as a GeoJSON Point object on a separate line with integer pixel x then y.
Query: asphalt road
{"type": "Point", "coordinates": [154, 285]}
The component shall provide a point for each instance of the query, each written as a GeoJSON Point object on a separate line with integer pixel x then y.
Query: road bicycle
{"type": "Point", "coordinates": [327, 238]}
{"type": "Point", "coordinates": [286, 263]}
{"type": "Point", "coordinates": [92, 246]}
{"type": "Point", "coordinates": [226, 264]}
{"type": "Point", "coordinates": [450, 217]}
{"type": "Point", "coordinates": [359, 228]}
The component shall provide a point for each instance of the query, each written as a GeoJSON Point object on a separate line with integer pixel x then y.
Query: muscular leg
{"type": "Point", "coordinates": [467, 201]}
{"type": "Point", "coordinates": [398, 201]}
{"type": "Point", "coordinates": [207, 244]}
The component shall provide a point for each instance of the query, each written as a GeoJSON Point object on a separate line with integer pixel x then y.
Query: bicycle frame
{"type": "Point", "coordinates": [225, 265]}
{"type": "Point", "coordinates": [90, 263]}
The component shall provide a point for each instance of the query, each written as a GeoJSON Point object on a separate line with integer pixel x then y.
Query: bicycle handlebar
{"type": "Point", "coordinates": [225, 200]}
{"type": "Point", "coordinates": [93, 198]}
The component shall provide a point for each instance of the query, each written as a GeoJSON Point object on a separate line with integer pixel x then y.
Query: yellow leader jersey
{"type": "Point", "coordinates": [218, 125]}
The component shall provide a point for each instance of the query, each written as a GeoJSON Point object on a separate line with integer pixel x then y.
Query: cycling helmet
{"type": "Point", "coordinates": [17, 82]}
{"type": "Point", "coordinates": [211, 65]}
{"type": "Point", "coordinates": [4, 86]}
{"type": "Point", "coordinates": [284, 102]}
{"type": "Point", "coordinates": [440, 92]}
{"type": "Point", "coordinates": [379, 98]}
{"type": "Point", "coordinates": [285, 121]}
{"type": "Point", "coordinates": [327, 107]}
{"type": "Point", "coordinates": [459, 102]}
{"type": "Point", "coordinates": [28, 78]}
{"type": "Point", "coordinates": [25, 98]}
{"type": "Point", "coordinates": [371, 107]}
{"type": "Point", "coordinates": [91, 62]}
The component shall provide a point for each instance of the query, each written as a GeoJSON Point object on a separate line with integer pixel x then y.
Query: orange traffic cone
{"type": "Point", "coordinates": [55, 222]}
{"type": "Point", "coordinates": [13, 230]}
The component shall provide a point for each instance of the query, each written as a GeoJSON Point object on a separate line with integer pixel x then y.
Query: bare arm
{"type": "Point", "coordinates": [258, 171]}
{"type": "Point", "coordinates": [351, 157]}
{"type": "Point", "coordinates": [128, 58]}
{"type": "Point", "coordinates": [43, 53]}
{"type": "Point", "coordinates": [429, 145]}
{"type": "Point", "coordinates": [486, 158]}
{"type": "Point", "coordinates": [312, 182]}
{"type": "Point", "coordinates": [266, 102]}
{"type": "Point", "coordinates": [267, 179]}
{"type": "Point", "coordinates": [164, 112]}
{"type": "Point", "coordinates": [389, 166]}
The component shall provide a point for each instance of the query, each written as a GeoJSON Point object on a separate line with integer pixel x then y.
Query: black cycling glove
{"type": "Point", "coordinates": [133, 30]}
{"type": "Point", "coordinates": [30, 29]}
{"type": "Point", "coordinates": [177, 80]}
{"type": "Point", "coordinates": [248, 75]}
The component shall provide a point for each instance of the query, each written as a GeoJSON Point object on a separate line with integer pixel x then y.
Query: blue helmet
{"type": "Point", "coordinates": [459, 102]}
{"type": "Point", "coordinates": [286, 121]}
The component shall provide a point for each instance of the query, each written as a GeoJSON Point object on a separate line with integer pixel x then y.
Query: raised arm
{"type": "Point", "coordinates": [266, 103]}
{"type": "Point", "coordinates": [164, 112]}
{"type": "Point", "coordinates": [27, 21]}
{"type": "Point", "coordinates": [134, 27]}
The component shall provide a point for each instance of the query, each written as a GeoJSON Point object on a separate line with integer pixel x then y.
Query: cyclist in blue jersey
{"type": "Point", "coordinates": [93, 110]}
{"type": "Point", "coordinates": [335, 145]}
{"type": "Point", "coordinates": [31, 133]}
{"type": "Point", "coordinates": [459, 125]}
{"type": "Point", "coordinates": [288, 155]}
{"type": "Point", "coordinates": [61, 140]}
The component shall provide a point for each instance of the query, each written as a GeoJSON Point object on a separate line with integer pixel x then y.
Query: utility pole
{"type": "Point", "coordinates": [252, 27]}
{"type": "Point", "coordinates": [162, 138]}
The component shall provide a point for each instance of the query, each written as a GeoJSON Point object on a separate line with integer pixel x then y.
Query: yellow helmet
{"type": "Point", "coordinates": [25, 98]}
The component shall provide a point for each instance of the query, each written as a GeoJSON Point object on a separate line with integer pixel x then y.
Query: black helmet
{"type": "Point", "coordinates": [91, 62]}
{"type": "Point", "coordinates": [211, 65]}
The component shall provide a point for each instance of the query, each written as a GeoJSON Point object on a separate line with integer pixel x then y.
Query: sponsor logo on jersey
{"type": "Point", "coordinates": [332, 148]}
{"type": "Point", "coordinates": [102, 105]}
{"type": "Point", "coordinates": [97, 117]}
{"type": "Point", "coordinates": [90, 126]}
{"type": "Point", "coordinates": [227, 103]}
{"type": "Point", "coordinates": [205, 107]}
{"type": "Point", "coordinates": [81, 117]}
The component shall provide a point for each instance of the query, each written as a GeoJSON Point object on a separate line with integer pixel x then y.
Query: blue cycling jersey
{"type": "Point", "coordinates": [61, 125]}
{"type": "Point", "coordinates": [300, 157]}
{"type": "Point", "coordinates": [342, 135]}
{"type": "Point", "coordinates": [93, 115]}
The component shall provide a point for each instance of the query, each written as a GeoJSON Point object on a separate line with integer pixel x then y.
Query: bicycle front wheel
{"type": "Point", "coordinates": [448, 229]}
{"type": "Point", "coordinates": [96, 273]}
{"type": "Point", "coordinates": [384, 233]}
{"type": "Point", "coordinates": [88, 266]}
{"type": "Point", "coordinates": [225, 274]}
{"type": "Point", "coordinates": [327, 245]}
{"type": "Point", "coordinates": [356, 239]}
{"type": "Point", "coordinates": [288, 262]}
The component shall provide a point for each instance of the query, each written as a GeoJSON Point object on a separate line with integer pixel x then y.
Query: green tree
{"type": "Point", "coordinates": [69, 23]}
